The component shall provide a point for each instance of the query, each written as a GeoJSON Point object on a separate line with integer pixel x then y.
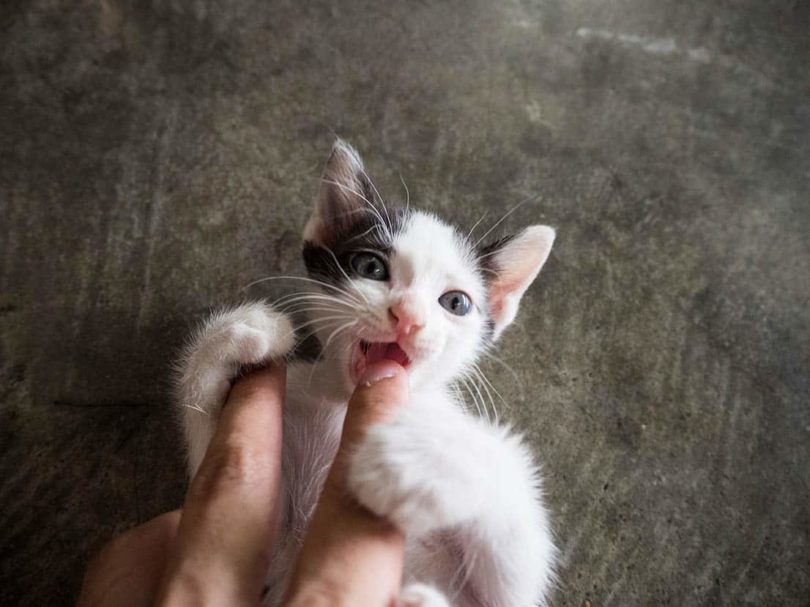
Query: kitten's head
{"type": "Point", "coordinates": [403, 284]}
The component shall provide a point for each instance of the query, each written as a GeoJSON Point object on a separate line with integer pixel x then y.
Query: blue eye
{"type": "Point", "coordinates": [369, 265]}
{"type": "Point", "coordinates": [456, 302]}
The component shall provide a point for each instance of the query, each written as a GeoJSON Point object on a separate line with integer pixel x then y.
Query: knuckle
{"type": "Point", "coordinates": [232, 463]}
{"type": "Point", "coordinates": [250, 388]}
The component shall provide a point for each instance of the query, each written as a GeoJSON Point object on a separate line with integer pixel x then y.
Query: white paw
{"type": "Point", "coordinates": [252, 333]}
{"type": "Point", "coordinates": [246, 335]}
{"type": "Point", "coordinates": [420, 595]}
{"type": "Point", "coordinates": [413, 481]}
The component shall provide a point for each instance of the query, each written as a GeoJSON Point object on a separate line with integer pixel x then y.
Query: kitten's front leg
{"type": "Point", "coordinates": [245, 335]}
{"type": "Point", "coordinates": [432, 467]}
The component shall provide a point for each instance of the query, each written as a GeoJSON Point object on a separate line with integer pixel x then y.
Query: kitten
{"type": "Point", "coordinates": [398, 284]}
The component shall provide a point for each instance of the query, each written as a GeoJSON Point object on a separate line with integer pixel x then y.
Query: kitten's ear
{"type": "Point", "coordinates": [345, 194]}
{"type": "Point", "coordinates": [511, 265]}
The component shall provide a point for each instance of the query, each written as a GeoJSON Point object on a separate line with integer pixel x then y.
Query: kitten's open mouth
{"type": "Point", "coordinates": [366, 353]}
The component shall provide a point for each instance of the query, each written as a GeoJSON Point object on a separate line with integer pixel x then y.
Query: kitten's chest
{"type": "Point", "coordinates": [312, 428]}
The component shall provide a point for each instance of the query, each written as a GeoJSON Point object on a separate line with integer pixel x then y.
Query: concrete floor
{"type": "Point", "coordinates": [155, 157]}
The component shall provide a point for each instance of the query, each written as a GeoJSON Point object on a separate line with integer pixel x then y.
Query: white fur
{"type": "Point", "coordinates": [248, 334]}
{"type": "Point", "coordinates": [466, 492]}
{"type": "Point", "coordinates": [421, 595]}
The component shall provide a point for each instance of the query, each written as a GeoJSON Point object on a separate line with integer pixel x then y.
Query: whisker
{"type": "Point", "coordinates": [463, 380]}
{"type": "Point", "coordinates": [312, 330]}
{"type": "Point", "coordinates": [303, 278]}
{"type": "Point", "coordinates": [338, 330]}
{"type": "Point", "coordinates": [323, 319]}
{"type": "Point", "coordinates": [483, 376]}
{"type": "Point", "coordinates": [318, 294]}
{"type": "Point", "coordinates": [314, 298]}
{"type": "Point", "coordinates": [359, 236]}
{"type": "Point", "coordinates": [459, 384]}
{"type": "Point", "coordinates": [315, 310]}
{"type": "Point", "coordinates": [486, 385]}
{"type": "Point", "coordinates": [193, 408]}
{"type": "Point", "coordinates": [481, 396]}
{"type": "Point", "coordinates": [348, 280]}
{"type": "Point", "coordinates": [366, 200]}
{"type": "Point", "coordinates": [514, 374]}
{"type": "Point", "coordinates": [382, 203]}
{"type": "Point", "coordinates": [475, 225]}
{"type": "Point", "coordinates": [312, 323]}
{"type": "Point", "coordinates": [407, 193]}
{"type": "Point", "coordinates": [475, 380]}
{"type": "Point", "coordinates": [505, 215]}
{"type": "Point", "coordinates": [326, 346]}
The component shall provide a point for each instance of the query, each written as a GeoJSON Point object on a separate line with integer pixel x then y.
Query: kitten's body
{"type": "Point", "coordinates": [465, 492]}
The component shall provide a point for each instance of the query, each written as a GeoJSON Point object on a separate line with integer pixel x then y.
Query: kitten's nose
{"type": "Point", "coordinates": [407, 319]}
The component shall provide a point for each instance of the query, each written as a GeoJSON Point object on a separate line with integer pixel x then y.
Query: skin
{"type": "Point", "coordinates": [216, 549]}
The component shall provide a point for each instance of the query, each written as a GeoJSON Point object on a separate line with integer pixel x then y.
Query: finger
{"type": "Point", "coordinates": [350, 556]}
{"type": "Point", "coordinates": [231, 510]}
{"type": "Point", "coordinates": [383, 388]}
{"type": "Point", "coordinates": [127, 571]}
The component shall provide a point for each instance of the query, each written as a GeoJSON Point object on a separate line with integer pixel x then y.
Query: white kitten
{"type": "Point", "coordinates": [398, 284]}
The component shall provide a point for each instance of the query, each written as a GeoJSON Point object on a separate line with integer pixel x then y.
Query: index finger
{"type": "Point", "coordinates": [231, 510]}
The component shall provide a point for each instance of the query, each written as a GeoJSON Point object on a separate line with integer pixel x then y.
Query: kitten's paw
{"type": "Point", "coordinates": [421, 595]}
{"type": "Point", "coordinates": [248, 334]}
{"type": "Point", "coordinates": [411, 480]}
{"type": "Point", "coordinates": [253, 333]}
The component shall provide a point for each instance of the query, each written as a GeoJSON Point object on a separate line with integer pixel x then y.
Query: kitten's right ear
{"type": "Point", "coordinates": [511, 265]}
{"type": "Point", "coordinates": [345, 193]}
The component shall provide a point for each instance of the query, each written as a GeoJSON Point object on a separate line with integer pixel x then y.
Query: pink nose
{"type": "Point", "coordinates": [406, 319]}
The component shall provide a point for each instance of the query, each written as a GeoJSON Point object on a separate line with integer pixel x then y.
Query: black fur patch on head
{"type": "Point", "coordinates": [368, 231]}
{"type": "Point", "coordinates": [345, 205]}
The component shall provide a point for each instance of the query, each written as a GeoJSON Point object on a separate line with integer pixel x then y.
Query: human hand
{"type": "Point", "coordinates": [216, 550]}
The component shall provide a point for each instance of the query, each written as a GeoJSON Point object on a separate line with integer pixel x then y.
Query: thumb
{"type": "Point", "coordinates": [382, 388]}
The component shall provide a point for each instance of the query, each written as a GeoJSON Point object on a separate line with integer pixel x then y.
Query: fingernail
{"type": "Point", "coordinates": [376, 373]}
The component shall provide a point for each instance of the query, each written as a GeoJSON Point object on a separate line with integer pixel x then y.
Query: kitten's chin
{"type": "Point", "coordinates": [365, 353]}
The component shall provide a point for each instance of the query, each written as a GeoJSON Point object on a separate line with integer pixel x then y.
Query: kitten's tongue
{"type": "Point", "coordinates": [391, 351]}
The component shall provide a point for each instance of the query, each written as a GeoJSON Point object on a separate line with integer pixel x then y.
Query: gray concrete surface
{"type": "Point", "coordinates": [155, 157]}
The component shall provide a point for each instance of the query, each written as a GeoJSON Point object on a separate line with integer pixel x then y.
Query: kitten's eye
{"type": "Point", "coordinates": [369, 265]}
{"type": "Point", "coordinates": [456, 302]}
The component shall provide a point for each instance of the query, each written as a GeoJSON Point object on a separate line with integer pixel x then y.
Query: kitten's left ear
{"type": "Point", "coordinates": [345, 196]}
{"type": "Point", "coordinates": [512, 264]}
